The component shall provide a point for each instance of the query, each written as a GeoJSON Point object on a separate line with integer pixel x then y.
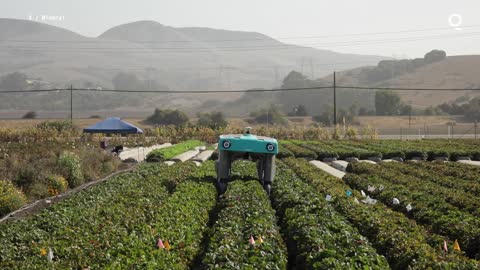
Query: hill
{"type": "Point", "coordinates": [160, 57]}
{"type": "Point", "coordinates": [459, 72]}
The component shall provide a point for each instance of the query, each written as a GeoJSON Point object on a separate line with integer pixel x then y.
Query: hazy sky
{"type": "Point", "coordinates": [282, 19]}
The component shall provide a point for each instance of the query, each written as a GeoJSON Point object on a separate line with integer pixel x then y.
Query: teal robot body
{"type": "Point", "coordinates": [248, 143]}
{"type": "Point", "coordinates": [260, 149]}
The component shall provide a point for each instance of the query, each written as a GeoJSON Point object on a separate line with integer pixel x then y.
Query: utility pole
{"type": "Point", "coordinates": [312, 74]}
{"type": "Point", "coordinates": [334, 99]}
{"type": "Point", "coordinates": [303, 63]}
{"type": "Point", "coordinates": [409, 119]}
{"type": "Point", "coordinates": [268, 110]}
{"type": "Point", "coordinates": [275, 81]}
{"type": "Point", "coordinates": [476, 126]}
{"type": "Point", "coordinates": [71, 104]}
{"type": "Point", "coordinates": [220, 77]}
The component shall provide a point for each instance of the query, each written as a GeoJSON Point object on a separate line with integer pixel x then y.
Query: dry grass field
{"type": "Point", "coordinates": [454, 72]}
{"type": "Point", "coordinates": [379, 122]}
{"type": "Point", "coordinates": [81, 123]}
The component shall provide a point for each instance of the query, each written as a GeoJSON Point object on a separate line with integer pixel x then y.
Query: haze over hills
{"type": "Point", "coordinates": [191, 58]}
{"type": "Point", "coordinates": [453, 72]}
{"type": "Point", "coordinates": [196, 55]}
{"type": "Point", "coordinates": [159, 57]}
{"type": "Point", "coordinates": [458, 72]}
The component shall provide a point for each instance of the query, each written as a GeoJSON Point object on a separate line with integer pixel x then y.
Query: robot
{"type": "Point", "coordinates": [260, 149]}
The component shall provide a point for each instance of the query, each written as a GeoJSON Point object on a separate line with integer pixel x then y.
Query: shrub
{"type": "Point", "coordinates": [435, 56]}
{"type": "Point", "coordinates": [369, 133]}
{"type": "Point", "coordinates": [56, 184]}
{"type": "Point", "coordinates": [168, 117]}
{"type": "Point", "coordinates": [63, 125]}
{"type": "Point", "coordinates": [94, 163]}
{"type": "Point", "coordinates": [30, 115]}
{"type": "Point", "coordinates": [107, 167]}
{"type": "Point", "coordinates": [10, 198]}
{"type": "Point", "coordinates": [26, 176]}
{"type": "Point", "coordinates": [325, 118]}
{"type": "Point", "coordinates": [38, 190]}
{"type": "Point", "coordinates": [70, 166]}
{"type": "Point", "coordinates": [387, 103]}
{"type": "Point", "coordinates": [267, 116]}
{"type": "Point", "coordinates": [351, 133]}
{"type": "Point", "coordinates": [213, 120]}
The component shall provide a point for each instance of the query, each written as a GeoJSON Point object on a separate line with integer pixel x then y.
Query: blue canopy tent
{"type": "Point", "coordinates": [113, 125]}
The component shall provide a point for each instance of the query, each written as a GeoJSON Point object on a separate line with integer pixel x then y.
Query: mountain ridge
{"type": "Point", "coordinates": [202, 59]}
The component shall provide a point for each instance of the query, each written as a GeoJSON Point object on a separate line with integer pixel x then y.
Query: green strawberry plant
{"type": "Point", "coordinates": [429, 209]}
{"type": "Point", "coordinates": [245, 215]}
{"type": "Point", "coordinates": [406, 244]}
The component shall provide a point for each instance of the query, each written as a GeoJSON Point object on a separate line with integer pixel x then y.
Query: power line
{"type": "Point", "coordinates": [206, 91]}
{"type": "Point", "coordinates": [407, 89]}
{"type": "Point", "coordinates": [232, 49]}
{"type": "Point", "coordinates": [382, 33]}
{"type": "Point", "coordinates": [202, 68]}
{"type": "Point", "coordinates": [239, 90]}
{"type": "Point", "coordinates": [165, 91]}
{"type": "Point", "coordinates": [34, 91]}
{"type": "Point", "coordinates": [237, 40]}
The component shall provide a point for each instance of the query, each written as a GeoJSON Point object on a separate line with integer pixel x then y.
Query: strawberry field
{"type": "Point", "coordinates": [388, 215]}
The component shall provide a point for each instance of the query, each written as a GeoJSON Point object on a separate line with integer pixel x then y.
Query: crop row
{"type": "Point", "coordinates": [334, 149]}
{"type": "Point", "coordinates": [245, 235]}
{"type": "Point", "coordinates": [167, 153]}
{"type": "Point", "coordinates": [298, 151]}
{"type": "Point", "coordinates": [112, 222]}
{"type": "Point", "coordinates": [423, 149]}
{"type": "Point", "coordinates": [430, 209]}
{"type": "Point", "coordinates": [431, 149]}
{"type": "Point", "coordinates": [424, 182]}
{"type": "Point", "coordinates": [284, 152]}
{"type": "Point", "coordinates": [317, 236]}
{"type": "Point", "coordinates": [401, 240]}
{"type": "Point", "coordinates": [319, 152]}
{"type": "Point", "coordinates": [461, 188]}
{"type": "Point", "coordinates": [346, 150]}
{"type": "Point", "coordinates": [387, 150]}
{"type": "Point", "coordinates": [174, 237]}
{"type": "Point", "coordinates": [457, 170]}
{"type": "Point", "coordinates": [464, 201]}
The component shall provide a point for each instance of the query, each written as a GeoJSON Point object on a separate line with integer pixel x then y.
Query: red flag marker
{"type": "Point", "coordinates": [160, 243]}
{"type": "Point", "coordinates": [251, 241]}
